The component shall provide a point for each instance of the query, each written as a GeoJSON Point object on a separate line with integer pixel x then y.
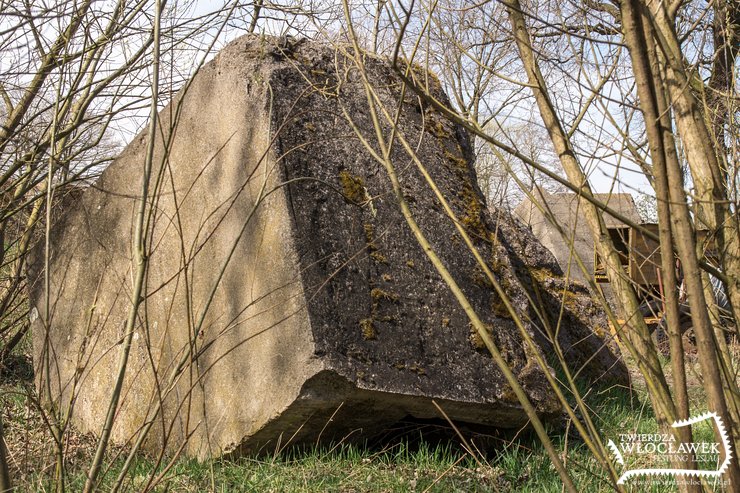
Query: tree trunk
{"type": "Point", "coordinates": [638, 334]}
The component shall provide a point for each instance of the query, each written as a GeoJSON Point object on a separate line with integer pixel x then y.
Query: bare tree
{"type": "Point", "coordinates": [554, 92]}
{"type": "Point", "coordinates": [605, 105]}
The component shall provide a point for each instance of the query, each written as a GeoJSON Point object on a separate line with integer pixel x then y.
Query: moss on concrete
{"type": "Point", "coordinates": [368, 329]}
{"type": "Point", "coordinates": [378, 294]}
{"type": "Point", "coordinates": [353, 188]}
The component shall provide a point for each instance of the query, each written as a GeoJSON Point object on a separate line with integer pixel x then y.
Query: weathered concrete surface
{"type": "Point", "coordinates": [566, 210]}
{"type": "Point", "coordinates": [569, 315]}
{"type": "Point", "coordinates": [284, 286]}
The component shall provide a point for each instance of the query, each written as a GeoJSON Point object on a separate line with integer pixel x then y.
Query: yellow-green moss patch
{"type": "Point", "coordinates": [380, 294]}
{"type": "Point", "coordinates": [353, 187]}
{"type": "Point", "coordinates": [475, 338]}
{"type": "Point", "coordinates": [368, 329]}
{"type": "Point", "coordinates": [379, 257]}
{"type": "Point", "coordinates": [541, 274]}
{"type": "Point", "coordinates": [456, 160]}
{"type": "Point", "coordinates": [437, 128]}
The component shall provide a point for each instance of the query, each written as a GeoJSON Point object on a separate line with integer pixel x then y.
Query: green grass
{"type": "Point", "coordinates": [517, 462]}
{"type": "Point", "coordinates": [345, 469]}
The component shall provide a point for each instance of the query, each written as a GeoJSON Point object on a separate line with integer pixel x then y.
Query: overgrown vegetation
{"type": "Point", "coordinates": [411, 457]}
{"type": "Point", "coordinates": [651, 86]}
